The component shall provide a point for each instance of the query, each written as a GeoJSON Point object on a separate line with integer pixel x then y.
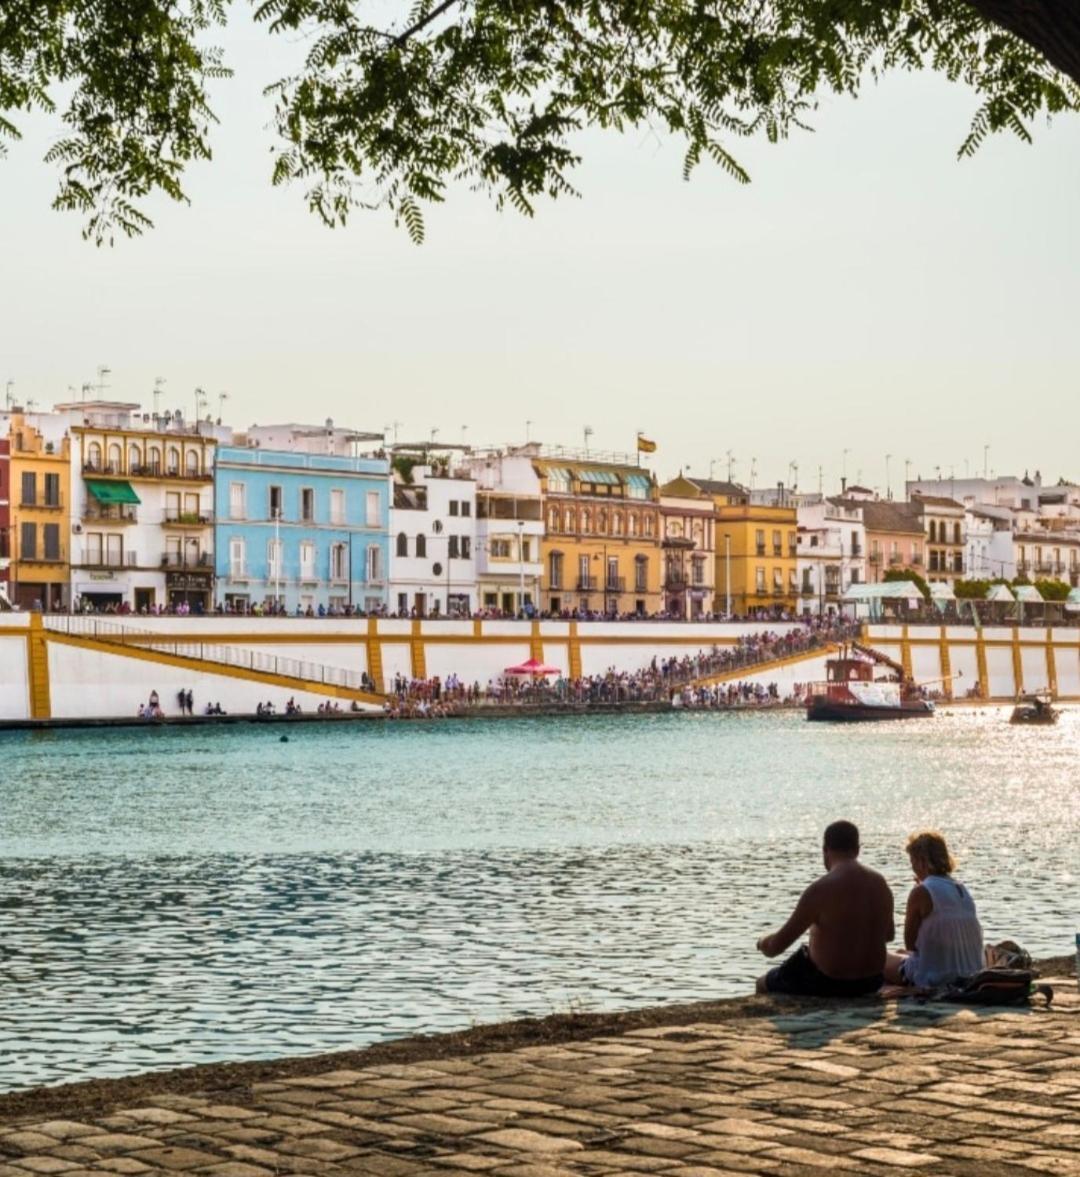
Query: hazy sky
{"type": "Point", "coordinates": [866, 292]}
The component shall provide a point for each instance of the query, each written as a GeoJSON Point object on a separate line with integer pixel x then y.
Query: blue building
{"type": "Point", "coordinates": [300, 529]}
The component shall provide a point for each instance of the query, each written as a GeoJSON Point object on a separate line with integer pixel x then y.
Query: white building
{"type": "Point", "coordinates": [142, 494]}
{"type": "Point", "coordinates": [831, 553]}
{"type": "Point", "coordinates": [433, 542]}
{"type": "Point", "coordinates": [509, 531]}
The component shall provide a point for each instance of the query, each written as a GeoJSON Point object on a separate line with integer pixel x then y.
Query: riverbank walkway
{"type": "Point", "coordinates": [754, 1086]}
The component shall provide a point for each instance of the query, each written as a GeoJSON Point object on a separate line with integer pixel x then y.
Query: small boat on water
{"type": "Point", "coordinates": [851, 693]}
{"type": "Point", "coordinates": [1035, 708]}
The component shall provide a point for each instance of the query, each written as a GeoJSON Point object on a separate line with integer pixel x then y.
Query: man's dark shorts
{"type": "Point", "coordinates": [798, 975]}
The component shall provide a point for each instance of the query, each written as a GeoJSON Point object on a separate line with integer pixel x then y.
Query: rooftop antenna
{"type": "Point", "coordinates": [464, 430]}
{"type": "Point", "coordinates": [843, 466]}
{"type": "Point", "coordinates": [753, 472]}
{"type": "Point", "coordinates": [200, 400]}
{"type": "Point", "coordinates": [84, 390]}
{"type": "Point", "coordinates": [793, 474]}
{"type": "Point", "coordinates": [528, 430]}
{"type": "Point", "coordinates": [986, 459]}
{"type": "Point", "coordinates": [222, 398]}
{"type": "Point", "coordinates": [712, 465]}
{"type": "Point", "coordinates": [588, 434]}
{"type": "Point", "coordinates": [102, 372]}
{"type": "Point", "coordinates": [30, 403]}
{"type": "Point", "coordinates": [434, 434]}
{"type": "Point", "coordinates": [730, 465]}
{"type": "Point", "coordinates": [907, 474]}
{"type": "Point", "coordinates": [821, 480]}
{"type": "Point", "coordinates": [888, 477]}
{"type": "Point", "coordinates": [159, 384]}
{"type": "Point", "coordinates": [9, 393]}
{"type": "Point", "coordinates": [392, 428]}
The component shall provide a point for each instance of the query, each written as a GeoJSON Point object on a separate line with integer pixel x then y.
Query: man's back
{"type": "Point", "coordinates": [852, 921]}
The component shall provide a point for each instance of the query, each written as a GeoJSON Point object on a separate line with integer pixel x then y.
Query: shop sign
{"type": "Point", "coordinates": [191, 582]}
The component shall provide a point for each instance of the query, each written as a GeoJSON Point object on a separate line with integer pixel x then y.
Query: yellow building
{"type": "Point", "coordinates": [756, 548]}
{"type": "Point", "coordinates": [40, 516]}
{"type": "Point", "coordinates": [601, 546]}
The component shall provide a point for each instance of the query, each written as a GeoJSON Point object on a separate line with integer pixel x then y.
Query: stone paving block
{"type": "Point", "coordinates": [178, 1159]}
{"type": "Point", "coordinates": [469, 1162]}
{"type": "Point", "coordinates": [108, 1143]}
{"type": "Point", "coordinates": [237, 1169]}
{"type": "Point", "coordinates": [123, 1165]}
{"type": "Point", "coordinates": [529, 1142]}
{"type": "Point", "coordinates": [812, 1158]}
{"type": "Point", "coordinates": [318, 1147]}
{"type": "Point", "coordinates": [27, 1142]}
{"type": "Point", "coordinates": [66, 1129]}
{"type": "Point", "coordinates": [47, 1165]}
{"type": "Point", "coordinates": [903, 1158]}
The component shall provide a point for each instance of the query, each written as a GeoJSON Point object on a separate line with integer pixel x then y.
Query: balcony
{"type": "Point", "coordinates": [108, 560]}
{"type": "Point", "coordinates": [778, 549]}
{"type": "Point", "coordinates": [109, 513]}
{"type": "Point", "coordinates": [55, 503]}
{"type": "Point", "coordinates": [587, 584]}
{"type": "Point", "coordinates": [238, 572]}
{"type": "Point", "coordinates": [58, 557]}
{"type": "Point", "coordinates": [103, 469]}
{"type": "Point", "coordinates": [856, 550]}
{"type": "Point", "coordinates": [616, 584]}
{"type": "Point", "coordinates": [760, 549]}
{"type": "Point", "coordinates": [676, 580]}
{"type": "Point", "coordinates": [916, 561]}
{"type": "Point", "coordinates": [188, 518]}
{"type": "Point", "coordinates": [185, 560]}
{"type": "Point", "coordinates": [875, 558]}
{"type": "Point", "coordinates": [896, 558]}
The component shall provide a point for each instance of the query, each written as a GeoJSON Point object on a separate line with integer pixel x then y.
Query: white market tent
{"type": "Point", "coordinates": [871, 596]}
{"type": "Point", "coordinates": [890, 590]}
{"type": "Point", "coordinates": [1072, 601]}
{"type": "Point", "coordinates": [941, 592]}
{"type": "Point", "coordinates": [1028, 594]}
{"type": "Point", "coordinates": [1001, 593]}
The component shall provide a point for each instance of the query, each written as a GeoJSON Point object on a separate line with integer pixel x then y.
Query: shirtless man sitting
{"type": "Point", "coordinates": [849, 913]}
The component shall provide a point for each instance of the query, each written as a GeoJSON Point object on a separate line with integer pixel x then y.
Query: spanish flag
{"type": "Point", "coordinates": [644, 445]}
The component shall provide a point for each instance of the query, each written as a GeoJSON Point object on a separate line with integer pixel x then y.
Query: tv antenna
{"type": "Point", "coordinates": [159, 387]}
{"type": "Point", "coordinates": [102, 372]}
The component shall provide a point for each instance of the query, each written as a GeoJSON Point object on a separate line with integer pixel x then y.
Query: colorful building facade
{"type": "Point", "coordinates": [688, 527]}
{"type": "Point", "coordinates": [301, 531]}
{"type": "Point", "coordinates": [142, 508]}
{"type": "Point", "coordinates": [602, 539]}
{"type": "Point", "coordinates": [5, 516]}
{"type": "Point", "coordinates": [40, 513]}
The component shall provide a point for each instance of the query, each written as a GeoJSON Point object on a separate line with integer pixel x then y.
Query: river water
{"type": "Point", "coordinates": [173, 896]}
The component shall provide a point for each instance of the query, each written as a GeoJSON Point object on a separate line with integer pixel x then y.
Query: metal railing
{"type": "Point", "coordinates": [239, 657]}
{"type": "Point", "coordinates": [114, 513]}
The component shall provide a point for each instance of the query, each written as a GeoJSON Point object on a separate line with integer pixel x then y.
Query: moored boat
{"type": "Point", "coordinates": [851, 693]}
{"type": "Point", "coordinates": [1036, 708]}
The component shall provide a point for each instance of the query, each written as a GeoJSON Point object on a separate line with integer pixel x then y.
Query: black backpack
{"type": "Point", "coordinates": [997, 987]}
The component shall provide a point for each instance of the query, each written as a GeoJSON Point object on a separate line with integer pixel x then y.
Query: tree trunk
{"type": "Point", "coordinates": [1051, 26]}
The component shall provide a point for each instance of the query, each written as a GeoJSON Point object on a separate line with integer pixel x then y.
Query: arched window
{"type": "Point", "coordinates": [586, 520]}
{"type": "Point", "coordinates": [116, 458]}
{"type": "Point", "coordinates": [153, 459]}
{"type": "Point", "coordinates": [632, 525]}
{"type": "Point", "coordinates": [568, 520]}
{"type": "Point", "coordinates": [553, 519]}
{"type": "Point", "coordinates": [191, 462]}
{"type": "Point", "coordinates": [173, 461]}
{"type": "Point", "coordinates": [957, 534]}
{"type": "Point", "coordinates": [421, 545]}
{"type": "Point", "coordinates": [650, 525]}
{"type": "Point", "coordinates": [933, 531]}
{"type": "Point", "coordinates": [402, 544]}
{"type": "Point", "coordinates": [601, 521]}
{"type": "Point", "coordinates": [616, 523]}
{"type": "Point", "coordinates": [93, 456]}
{"type": "Point", "coordinates": [134, 458]}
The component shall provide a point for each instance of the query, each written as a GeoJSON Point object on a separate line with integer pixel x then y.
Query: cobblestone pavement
{"type": "Point", "coordinates": [870, 1089]}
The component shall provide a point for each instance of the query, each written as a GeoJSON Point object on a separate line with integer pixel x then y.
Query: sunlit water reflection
{"type": "Point", "coordinates": [177, 896]}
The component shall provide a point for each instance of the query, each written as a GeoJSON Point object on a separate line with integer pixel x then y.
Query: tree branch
{"type": "Point", "coordinates": [422, 24]}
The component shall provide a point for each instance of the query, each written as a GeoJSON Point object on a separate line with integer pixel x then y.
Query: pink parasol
{"type": "Point", "coordinates": [533, 667]}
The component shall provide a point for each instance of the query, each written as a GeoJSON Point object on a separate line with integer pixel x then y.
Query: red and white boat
{"type": "Point", "coordinates": [852, 694]}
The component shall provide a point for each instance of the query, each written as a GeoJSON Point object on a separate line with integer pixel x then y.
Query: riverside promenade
{"type": "Point", "coordinates": [738, 1087]}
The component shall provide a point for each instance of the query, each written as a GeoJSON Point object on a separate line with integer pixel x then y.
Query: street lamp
{"type": "Point", "coordinates": [604, 569]}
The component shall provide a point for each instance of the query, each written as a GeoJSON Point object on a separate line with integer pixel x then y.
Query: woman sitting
{"type": "Point", "coordinates": [942, 934]}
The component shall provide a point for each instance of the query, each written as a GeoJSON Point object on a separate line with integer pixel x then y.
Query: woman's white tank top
{"type": "Point", "coordinates": [950, 939]}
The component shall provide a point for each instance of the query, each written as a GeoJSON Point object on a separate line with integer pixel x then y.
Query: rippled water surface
{"type": "Point", "coordinates": [174, 896]}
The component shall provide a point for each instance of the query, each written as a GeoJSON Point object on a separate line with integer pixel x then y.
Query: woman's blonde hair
{"type": "Point", "coordinates": [928, 846]}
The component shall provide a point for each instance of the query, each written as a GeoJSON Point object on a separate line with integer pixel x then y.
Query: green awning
{"type": "Point", "coordinates": [112, 492]}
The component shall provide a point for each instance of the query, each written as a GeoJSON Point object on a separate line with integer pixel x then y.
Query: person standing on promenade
{"type": "Point", "coordinates": [849, 914]}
